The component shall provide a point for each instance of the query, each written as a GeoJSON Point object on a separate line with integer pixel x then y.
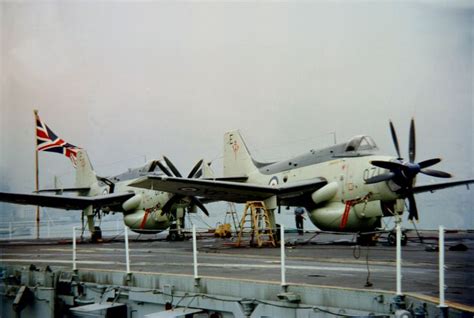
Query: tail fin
{"type": "Point", "coordinates": [237, 159]}
{"type": "Point", "coordinates": [85, 175]}
{"type": "Point", "coordinates": [207, 171]}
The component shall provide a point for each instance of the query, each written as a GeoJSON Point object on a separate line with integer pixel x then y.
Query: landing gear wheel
{"type": "Point", "coordinates": [404, 239]}
{"type": "Point", "coordinates": [96, 236]}
{"type": "Point", "coordinates": [174, 235]}
{"type": "Point", "coordinates": [392, 239]}
{"type": "Point", "coordinates": [277, 234]}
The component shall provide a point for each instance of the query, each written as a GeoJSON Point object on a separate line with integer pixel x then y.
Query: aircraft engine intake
{"type": "Point", "coordinates": [133, 203]}
{"type": "Point", "coordinates": [146, 222]}
{"type": "Point", "coordinates": [360, 217]}
{"type": "Point", "coordinates": [324, 194]}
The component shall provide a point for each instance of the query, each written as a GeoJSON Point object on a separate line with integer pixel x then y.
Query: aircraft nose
{"type": "Point", "coordinates": [413, 168]}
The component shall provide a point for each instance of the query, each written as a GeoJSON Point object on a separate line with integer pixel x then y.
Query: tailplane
{"type": "Point", "coordinates": [238, 161]}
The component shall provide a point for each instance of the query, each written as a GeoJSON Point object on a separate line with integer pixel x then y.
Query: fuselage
{"type": "Point", "coordinates": [346, 203]}
{"type": "Point", "coordinates": [142, 212]}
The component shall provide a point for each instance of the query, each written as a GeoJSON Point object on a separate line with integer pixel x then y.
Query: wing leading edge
{"type": "Point", "coordinates": [227, 191]}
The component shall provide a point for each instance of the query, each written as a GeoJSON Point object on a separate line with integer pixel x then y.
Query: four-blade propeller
{"type": "Point", "coordinates": [195, 173]}
{"type": "Point", "coordinates": [404, 173]}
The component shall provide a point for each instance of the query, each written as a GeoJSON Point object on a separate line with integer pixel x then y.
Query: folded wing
{"type": "Point", "coordinates": [438, 186]}
{"type": "Point", "coordinates": [66, 202]}
{"type": "Point", "coordinates": [218, 190]}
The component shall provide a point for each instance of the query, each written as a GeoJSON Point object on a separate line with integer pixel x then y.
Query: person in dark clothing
{"type": "Point", "coordinates": [299, 219]}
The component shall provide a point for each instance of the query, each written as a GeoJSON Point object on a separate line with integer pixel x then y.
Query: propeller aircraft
{"type": "Point", "coordinates": [347, 187]}
{"type": "Point", "coordinates": [145, 210]}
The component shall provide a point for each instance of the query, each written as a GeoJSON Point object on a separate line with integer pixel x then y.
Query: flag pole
{"type": "Point", "coordinates": [37, 177]}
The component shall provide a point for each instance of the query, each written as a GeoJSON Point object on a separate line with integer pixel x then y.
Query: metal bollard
{"type": "Point", "coordinates": [442, 302]}
{"type": "Point", "coordinates": [127, 255]}
{"type": "Point", "coordinates": [282, 252]}
{"type": "Point", "coordinates": [74, 257]}
{"type": "Point", "coordinates": [196, 276]}
{"type": "Point", "coordinates": [399, 260]}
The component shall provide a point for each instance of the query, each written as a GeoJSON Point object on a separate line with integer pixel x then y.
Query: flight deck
{"type": "Point", "coordinates": [315, 261]}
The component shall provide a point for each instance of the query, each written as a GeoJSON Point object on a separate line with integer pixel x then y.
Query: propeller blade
{"type": "Point", "coordinates": [164, 169]}
{"type": "Point", "coordinates": [412, 144]}
{"type": "Point", "coordinates": [198, 202]}
{"type": "Point", "coordinates": [428, 163]}
{"type": "Point", "coordinates": [195, 169]}
{"type": "Point", "coordinates": [380, 178]}
{"type": "Point", "coordinates": [152, 166]}
{"type": "Point", "coordinates": [169, 204]}
{"type": "Point", "coordinates": [395, 139]}
{"type": "Point", "coordinates": [436, 173]}
{"type": "Point", "coordinates": [108, 182]}
{"type": "Point", "coordinates": [198, 174]}
{"type": "Point", "coordinates": [390, 165]}
{"type": "Point", "coordinates": [413, 210]}
{"type": "Point", "coordinates": [172, 167]}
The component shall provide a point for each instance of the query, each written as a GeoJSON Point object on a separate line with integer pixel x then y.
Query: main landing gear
{"type": "Point", "coordinates": [392, 238]}
{"type": "Point", "coordinates": [372, 239]}
{"type": "Point", "coordinates": [175, 233]}
{"type": "Point", "coordinates": [96, 235]}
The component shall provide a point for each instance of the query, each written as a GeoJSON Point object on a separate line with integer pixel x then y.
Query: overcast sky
{"type": "Point", "coordinates": [129, 81]}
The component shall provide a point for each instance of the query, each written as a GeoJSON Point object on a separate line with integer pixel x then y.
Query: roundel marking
{"type": "Point", "coordinates": [273, 182]}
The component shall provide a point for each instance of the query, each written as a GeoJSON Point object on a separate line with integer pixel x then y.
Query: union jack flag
{"type": "Point", "coordinates": [47, 140]}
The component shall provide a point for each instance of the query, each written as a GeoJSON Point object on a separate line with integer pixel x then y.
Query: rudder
{"type": "Point", "coordinates": [237, 159]}
{"type": "Point", "coordinates": [85, 175]}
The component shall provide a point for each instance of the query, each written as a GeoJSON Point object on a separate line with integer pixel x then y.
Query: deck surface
{"type": "Point", "coordinates": [325, 260]}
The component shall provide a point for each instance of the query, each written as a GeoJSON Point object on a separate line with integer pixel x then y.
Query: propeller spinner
{"type": "Point", "coordinates": [404, 173]}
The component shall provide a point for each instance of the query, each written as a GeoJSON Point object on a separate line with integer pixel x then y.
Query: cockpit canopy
{"type": "Point", "coordinates": [360, 143]}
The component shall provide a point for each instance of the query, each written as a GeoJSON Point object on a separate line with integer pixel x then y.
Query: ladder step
{"type": "Point", "coordinates": [260, 232]}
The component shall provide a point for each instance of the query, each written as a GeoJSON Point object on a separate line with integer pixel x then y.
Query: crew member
{"type": "Point", "coordinates": [299, 218]}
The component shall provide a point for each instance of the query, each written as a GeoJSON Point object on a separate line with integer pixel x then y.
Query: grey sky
{"type": "Point", "coordinates": [128, 80]}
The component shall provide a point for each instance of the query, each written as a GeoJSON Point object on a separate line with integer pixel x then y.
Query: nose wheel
{"type": "Point", "coordinates": [392, 238]}
{"type": "Point", "coordinates": [175, 233]}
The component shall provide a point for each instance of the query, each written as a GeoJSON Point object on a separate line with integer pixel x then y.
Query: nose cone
{"type": "Point", "coordinates": [412, 169]}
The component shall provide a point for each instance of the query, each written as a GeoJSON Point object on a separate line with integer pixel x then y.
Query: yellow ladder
{"type": "Point", "coordinates": [260, 228]}
{"type": "Point", "coordinates": [232, 212]}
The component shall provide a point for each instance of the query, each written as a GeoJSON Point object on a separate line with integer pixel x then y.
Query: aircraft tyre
{"type": "Point", "coordinates": [277, 234]}
{"type": "Point", "coordinates": [174, 236]}
{"type": "Point", "coordinates": [392, 238]}
{"type": "Point", "coordinates": [96, 236]}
